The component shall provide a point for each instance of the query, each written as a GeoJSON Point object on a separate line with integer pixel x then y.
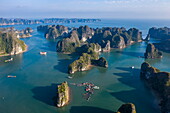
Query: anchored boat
{"type": "Point", "coordinates": [9, 60]}
{"type": "Point", "coordinates": [96, 87]}
{"type": "Point", "coordinates": [10, 76]}
{"type": "Point", "coordinates": [43, 53]}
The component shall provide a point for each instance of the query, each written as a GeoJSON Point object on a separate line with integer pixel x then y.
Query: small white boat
{"type": "Point", "coordinates": [132, 67]}
{"type": "Point", "coordinates": [70, 77]}
{"type": "Point", "coordinates": [10, 76]}
{"type": "Point", "coordinates": [43, 53]}
{"type": "Point", "coordinates": [96, 87]}
{"type": "Point", "coordinates": [9, 60]}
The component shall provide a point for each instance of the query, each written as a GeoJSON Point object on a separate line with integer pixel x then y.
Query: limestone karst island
{"type": "Point", "coordinates": [84, 56]}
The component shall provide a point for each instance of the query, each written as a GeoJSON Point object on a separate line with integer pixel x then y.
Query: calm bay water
{"type": "Point", "coordinates": [37, 76]}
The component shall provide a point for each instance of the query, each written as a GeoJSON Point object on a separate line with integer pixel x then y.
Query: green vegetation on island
{"type": "Point", "coordinates": [158, 81]}
{"type": "Point", "coordinates": [69, 44]}
{"type": "Point", "coordinates": [63, 96]}
{"type": "Point", "coordinates": [53, 31]}
{"type": "Point", "coordinates": [106, 37]}
{"type": "Point", "coordinates": [10, 44]}
{"type": "Point", "coordinates": [84, 62]}
{"type": "Point", "coordinates": [88, 42]}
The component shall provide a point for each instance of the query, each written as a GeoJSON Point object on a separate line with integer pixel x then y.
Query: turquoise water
{"type": "Point", "coordinates": [37, 76]}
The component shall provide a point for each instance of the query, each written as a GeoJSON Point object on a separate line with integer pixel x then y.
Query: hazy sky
{"type": "Point", "coordinates": [148, 9]}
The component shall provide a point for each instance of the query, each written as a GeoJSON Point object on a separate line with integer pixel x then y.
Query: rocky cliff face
{"type": "Point", "coordinates": [135, 34]}
{"type": "Point", "coordinates": [81, 64]}
{"type": "Point", "coordinates": [159, 33]}
{"type": "Point", "coordinates": [53, 32]}
{"type": "Point", "coordinates": [10, 44]}
{"type": "Point", "coordinates": [152, 52]}
{"type": "Point", "coordinates": [88, 47]}
{"type": "Point", "coordinates": [106, 46]}
{"type": "Point", "coordinates": [56, 31]}
{"type": "Point", "coordinates": [62, 94]}
{"type": "Point", "coordinates": [102, 62]}
{"type": "Point", "coordinates": [87, 41]}
{"type": "Point", "coordinates": [162, 34]}
{"type": "Point", "coordinates": [86, 60]}
{"type": "Point", "coordinates": [127, 108]}
{"type": "Point", "coordinates": [118, 37]}
{"type": "Point", "coordinates": [25, 33]}
{"type": "Point", "coordinates": [28, 30]}
{"type": "Point", "coordinates": [158, 81]}
{"type": "Point", "coordinates": [84, 33]}
{"type": "Point", "coordinates": [106, 37]}
{"type": "Point", "coordinates": [95, 47]}
{"type": "Point", "coordinates": [69, 43]}
{"type": "Point", "coordinates": [118, 42]}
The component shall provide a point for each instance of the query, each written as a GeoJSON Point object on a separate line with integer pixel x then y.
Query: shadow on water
{"type": "Point", "coordinates": [137, 71]}
{"type": "Point", "coordinates": [153, 61]}
{"type": "Point", "coordinates": [138, 94]}
{"type": "Point", "coordinates": [63, 64]}
{"type": "Point", "coordinates": [45, 94]}
{"type": "Point", "coordinates": [133, 54]}
{"type": "Point", "coordinates": [88, 109]}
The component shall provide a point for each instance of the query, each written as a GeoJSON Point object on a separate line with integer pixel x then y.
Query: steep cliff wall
{"type": "Point", "coordinates": [158, 81]}
{"type": "Point", "coordinates": [63, 94]}
{"type": "Point", "coordinates": [10, 44]}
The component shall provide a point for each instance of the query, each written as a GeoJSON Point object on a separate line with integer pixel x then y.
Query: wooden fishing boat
{"type": "Point", "coordinates": [43, 53]}
{"type": "Point", "coordinates": [11, 76]}
{"type": "Point", "coordinates": [9, 60]}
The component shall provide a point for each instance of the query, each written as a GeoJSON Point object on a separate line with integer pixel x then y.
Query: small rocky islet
{"type": "Point", "coordinates": [63, 94]}
{"type": "Point", "coordinates": [10, 43]}
{"type": "Point", "coordinates": [24, 33]}
{"type": "Point", "coordinates": [152, 52]}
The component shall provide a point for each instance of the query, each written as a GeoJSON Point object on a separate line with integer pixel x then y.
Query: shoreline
{"type": "Point", "coordinates": [26, 48]}
{"type": "Point", "coordinates": [68, 99]}
{"type": "Point", "coordinates": [106, 51]}
{"type": "Point", "coordinates": [26, 37]}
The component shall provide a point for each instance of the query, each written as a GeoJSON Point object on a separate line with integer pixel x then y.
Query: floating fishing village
{"type": "Point", "coordinates": [88, 88]}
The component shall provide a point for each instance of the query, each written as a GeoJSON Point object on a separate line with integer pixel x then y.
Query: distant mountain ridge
{"type": "Point", "coordinates": [16, 21]}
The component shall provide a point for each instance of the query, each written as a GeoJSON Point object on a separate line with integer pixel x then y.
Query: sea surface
{"type": "Point", "coordinates": [34, 88]}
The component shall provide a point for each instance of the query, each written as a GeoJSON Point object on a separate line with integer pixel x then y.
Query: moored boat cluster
{"type": "Point", "coordinates": [88, 87]}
